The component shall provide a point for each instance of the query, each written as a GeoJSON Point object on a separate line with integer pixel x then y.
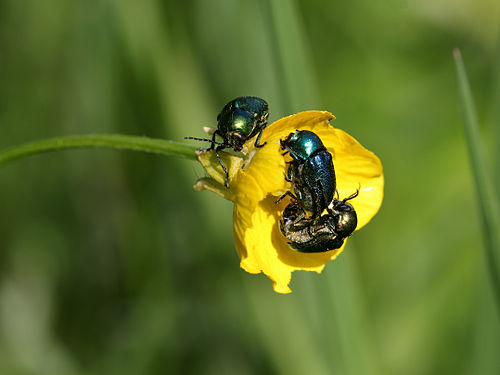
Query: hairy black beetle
{"type": "Point", "coordinates": [327, 232]}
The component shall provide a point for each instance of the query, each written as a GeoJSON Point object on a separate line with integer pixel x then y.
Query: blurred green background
{"type": "Point", "coordinates": [110, 263]}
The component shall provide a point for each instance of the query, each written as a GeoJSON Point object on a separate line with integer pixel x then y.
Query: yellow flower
{"type": "Point", "coordinates": [257, 180]}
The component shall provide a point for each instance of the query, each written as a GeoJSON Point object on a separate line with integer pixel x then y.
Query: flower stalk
{"type": "Point", "coordinates": [116, 141]}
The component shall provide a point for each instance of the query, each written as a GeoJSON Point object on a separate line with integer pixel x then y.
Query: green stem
{"type": "Point", "coordinates": [124, 142]}
{"type": "Point", "coordinates": [486, 198]}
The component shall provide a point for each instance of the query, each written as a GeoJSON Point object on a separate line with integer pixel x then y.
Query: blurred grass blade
{"type": "Point", "coordinates": [495, 111]}
{"type": "Point", "coordinates": [486, 198]}
{"type": "Point", "coordinates": [294, 55]}
{"type": "Point", "coordinates": [484, 358]}
{"type": "Point", "coordinates": [125, 142]}
{"type": "Point", "coordinates": [348, 312]}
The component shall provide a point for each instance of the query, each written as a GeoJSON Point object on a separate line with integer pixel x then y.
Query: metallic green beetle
{"type": "Point", "coordinates": [240, 120]}
{"type": "Point", "coordinates": [311, 171]}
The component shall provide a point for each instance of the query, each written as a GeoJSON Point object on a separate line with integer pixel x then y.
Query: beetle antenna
{"type": "Point", "coordinates": [336, 194]}
{"type": "Point", "coordinates": [352, 196]}
{"type": "Point", "coordinates": [204, 139]}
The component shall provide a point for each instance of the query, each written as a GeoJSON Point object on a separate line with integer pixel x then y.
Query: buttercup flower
{"type": "Point", "coordinates": [257, 179]}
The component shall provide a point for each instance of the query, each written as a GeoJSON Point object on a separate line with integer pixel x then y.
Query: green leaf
{"type": "Point", "coordinates": [487, 201]}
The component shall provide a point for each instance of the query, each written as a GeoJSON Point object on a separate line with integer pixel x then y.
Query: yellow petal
{"type": "Point", "coordinates": [209, 161]}
{"type": "Point", "coordinates": [208, 183]}
{"type": "Point", "coordinates": [356, 168]}
{"type": "Point", "coordinates": [267, 250]}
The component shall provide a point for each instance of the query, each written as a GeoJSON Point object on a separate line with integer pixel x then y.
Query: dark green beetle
{"type": "Point", "coordinates": [240, 120]}
{"type": "Point", "coordinates": [311, 172]}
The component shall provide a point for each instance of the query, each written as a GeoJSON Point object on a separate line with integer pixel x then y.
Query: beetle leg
{"type": "Point", "coordinates": [212, 141]}
{"type": "Point", "coordinates": [289, 193]}
{"type": "Point", "coordinates": [256, 144]}
{"type": "Point", "coordinates": [217, 149]}
{"type": "Point", "coordinates": [300, 217]}
{"type": "Point", "coordinates": [336, 194]}
{"type": "Point", "coordinates": [212, 146]}
{"type": "Point", "coordinates": [309, 231]}
{"type": "Point", "coordinates": [289, 175]}
{"type": "Point", "coordinates": [292, 171]}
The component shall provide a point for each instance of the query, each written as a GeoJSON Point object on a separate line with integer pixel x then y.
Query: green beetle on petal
{"type": "Point", "coordinates": [240, 120]}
